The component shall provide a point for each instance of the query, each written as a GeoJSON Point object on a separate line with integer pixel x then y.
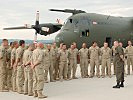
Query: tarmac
{"type": "Point", "coordinates": [81, 89]}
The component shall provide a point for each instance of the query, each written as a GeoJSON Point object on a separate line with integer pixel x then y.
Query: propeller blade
{"type": "Point", "coordinates": [37, 18]}
{"type": "Point", "coordinates": [28, 26]}
{"type": "Point", "coordinates": [35, 38]}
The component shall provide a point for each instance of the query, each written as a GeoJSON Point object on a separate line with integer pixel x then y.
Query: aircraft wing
{"type": "Point", "coordinates": [48, 25]}
{"type": "Point", "coordinates": [15, 28]}
{"type": "Point", "coordinates": [46, 28]}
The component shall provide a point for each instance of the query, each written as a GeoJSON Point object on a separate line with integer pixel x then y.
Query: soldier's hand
{"type": "Point", "coordinates": [32, 66]}
{"type": "Point", "coordinates": [125, 57]}
{"type": "Point", "coordinates": [24, 65]}
{"type": "Point", "coordinates": [88, 60]}
{"type": "Point", "coordinates": [15, 66]}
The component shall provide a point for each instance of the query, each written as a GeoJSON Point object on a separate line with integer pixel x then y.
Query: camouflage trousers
{"type": "Point", "coordinates": [63, 69]}
{"type": "Point", "coordinates": [38, 78]}
{"type": "Point", "coordinates": [84, 67]}
{"type": "Point", "coordinates": [28, 80]}
{"type": "Point", "coordinates": [2, 78]}
{"type": "Point", "coordinates": [120, 71]}
{"type": "Point", "coordinates": [93, 63]}
{"type": "Point", "coordinates": [49, 68]}
{"type": "Point", "coordinates": [72, 68]}
{"type": "Point", "coordinates": [20, 78]}
{"type": "Point", "coordinates": [14, 74]}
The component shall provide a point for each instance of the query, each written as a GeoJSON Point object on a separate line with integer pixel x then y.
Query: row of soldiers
{"type": "Point", "coordinates": [25, 70]}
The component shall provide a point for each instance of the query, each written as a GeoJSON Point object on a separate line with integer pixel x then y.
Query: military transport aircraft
{"type": "Point", "coordinates": [87, 27]}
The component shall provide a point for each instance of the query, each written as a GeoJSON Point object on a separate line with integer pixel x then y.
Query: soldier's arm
{"type": "Point", "coordinates": [121, 53]}
{"type": "Point", "coordinates": [110, 53]}
{"type": "Point", "coordinates": [99, 51]}
{"type": "Point", "coordinates": [18, 57]}
{"type": "Point", "coordinates": [29, 60]}
{"type": "Point", "coordinates": [58, 55]}
{"type": "Point", "coordinates": [1, 53]}
{"type": "Point", "coordinates": [12, 58]}
{"type": "Point", "coordinates": [126, 52]}
{"type": "Point", "coordinates": [40, 58]}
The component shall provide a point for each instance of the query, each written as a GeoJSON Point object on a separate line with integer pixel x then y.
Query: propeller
{"type": "Point", "coordinates": [37, 27]}
{"type": "Point", "coordinates": [42, 29]}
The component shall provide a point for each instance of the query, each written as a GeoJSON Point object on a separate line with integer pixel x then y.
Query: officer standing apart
{"type": "Point", "coordinates": [119, 62]}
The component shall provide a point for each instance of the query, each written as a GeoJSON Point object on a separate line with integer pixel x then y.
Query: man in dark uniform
{"type": "Point", "coordinates": [119, 61]}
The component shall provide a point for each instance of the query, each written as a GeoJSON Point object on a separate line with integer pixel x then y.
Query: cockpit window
{"type": "Point", "coordinates": [71, 21]}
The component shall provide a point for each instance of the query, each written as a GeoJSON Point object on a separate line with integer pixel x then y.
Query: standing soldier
{"type": "Point", "coordinates": [63, 63]}
{"type": "Point", "coordinates": [84, 58]}
{"type": "Point", "coordinates": [9, 68]}
{"type": "Point", "coordinates": [129, 53]}
{"type": "Point", "coordinates": [113, 56]}
{"type": "Point", "coordinates": [75, 60]}
{"type": "Point", "coordinates": [54, 51]}
{"type": "Point", "coordinates": [3, 60]}
{"type": "Point", "coordinates": [119, 61]}
{"type": "Point", "coordinates": [48, 64]}
{"type": "Point", "coordinates": [14, 72]}
{"type": "Point", "coordinates": [20, 68]}
{"type": "Point", "coordinates": [28, 73]}
{"type": "Point", "coordinates": [71, 63]}
{"type": "Point", "coordinates": [94, 52]}
{"type": "Point", "coordinates": [60, 48]}
{"type": "Point", "coordinates": [106, 59]}
{"type": "Point", "coordinates": [125, 60]}
{"type": "Point", "coordinates": [38, 71]}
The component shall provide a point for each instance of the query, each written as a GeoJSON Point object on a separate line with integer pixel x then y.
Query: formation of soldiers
{"type": "Point", "coordinates": [25, 70]}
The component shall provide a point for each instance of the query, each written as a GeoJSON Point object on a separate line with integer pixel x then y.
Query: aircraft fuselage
{"type": "Point", "coordinates": [89, 27]}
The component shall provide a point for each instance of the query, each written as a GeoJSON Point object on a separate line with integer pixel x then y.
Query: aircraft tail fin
{"type": "Point", "coordinates": [69, 11]}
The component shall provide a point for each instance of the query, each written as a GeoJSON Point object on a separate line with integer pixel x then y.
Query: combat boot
{"type": "Point", "coordinates": [30, 94]}
{"type": "Point", "coordinates": [117, 86]}
{"type": "Point", "coordinates": [74, 77]}
{"type": "Point", "coordinates": [122, 84]}
{"type": "Point", "coordinates": [52, 80]}
{"type": "Point", "coordinates": [35, 93]}
{"type": "Point", "coordinates": [20, 91]}
{"type": "Point", "coordinates": [61, 79]}
{"type": "Point", "coordinates": [40, 95]}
